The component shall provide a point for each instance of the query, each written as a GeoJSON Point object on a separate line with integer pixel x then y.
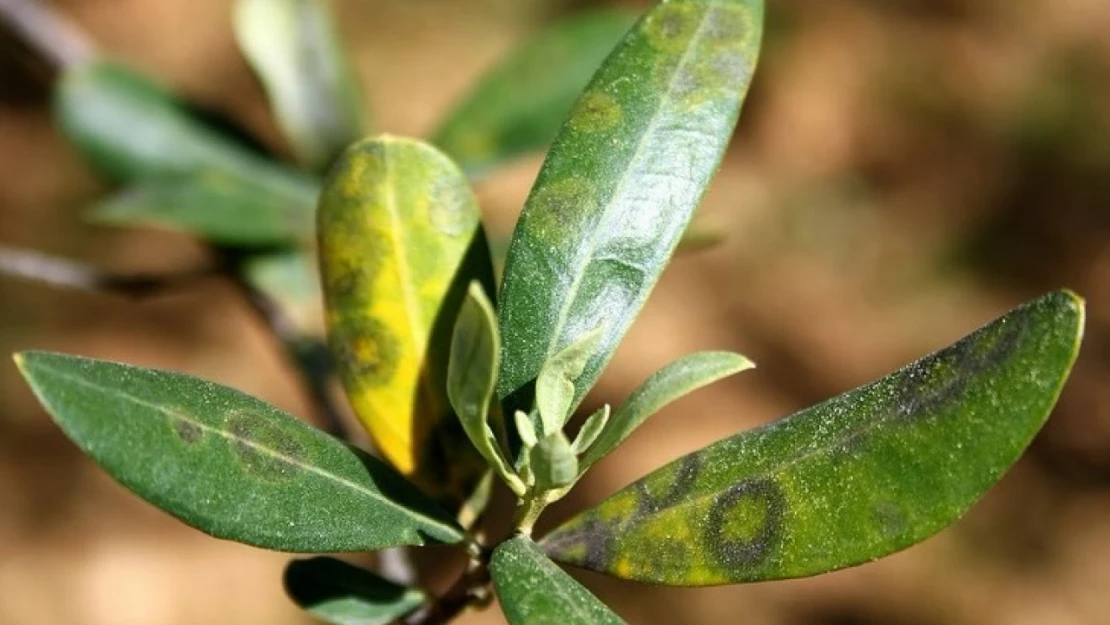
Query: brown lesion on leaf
{"type": "Point", "coordinates": [596, 111]}
{"type": "Point", "coordinates": [562, 206]}
{"type": "Point", "coordinates": [670, 26]}
{"type": "Point", "coordinates": [745, 523]}
{"type": "Point", "coordinates": [262, 447]}
{"type": "Point", "coordinates": [682, 477]}
{"type": "Point", "coordinates": [367, 352]}
{"type": "Point", "coordinates": [185, 428]}
{"type": "Point", "coordinates": [589, 544]}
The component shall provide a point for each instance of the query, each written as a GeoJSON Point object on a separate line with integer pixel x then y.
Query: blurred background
{"type": "Point", "coordinates": [904, 171]}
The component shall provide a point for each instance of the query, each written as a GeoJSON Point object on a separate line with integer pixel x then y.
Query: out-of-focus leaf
{"type": "Point", "coordinates": [400, 240]}
{"type": "Point", "coordinates": [533, 591]}
{"type": "Point", "coordinates": [518, 105]}
{"type": "Point", "coordinates": [212, 205]}
{"type": "Point", "coordinates": [289, 277]}
{"type": "Point", "coordinates": [343, 594]}
{"type": "Point", "coordinates": [132, 129]}
{"type": "Point", "coordinates": [621, 182]}
{"type": "Point", "coordinates": [471, 377]}
{"type": "Point", "coordinates": [295, 49]}
{"type": "Point", "coordinates": [677, 379]}
{"type": "Point", "coordinates": [849, 480]}
{"type": "Point", "coordinates": [229, 464]}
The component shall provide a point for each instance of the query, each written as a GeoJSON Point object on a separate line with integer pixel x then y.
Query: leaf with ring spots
{"type": "Point", "coordinates": [532, 590]}
{"type": "Point", "coordinates": [620, 184]}
{"type": "Point", "coordinates": [852, 479]}
{"type": "Point", "coordinates": [228, 464]}
{"type": "Point", "coordinates": [400, 240]}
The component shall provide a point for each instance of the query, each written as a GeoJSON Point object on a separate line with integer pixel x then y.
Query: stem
{"type": "Point", "coordinates": [471, 588]}
{"type": "Point", "coordinates": [47, 31]}
{"type": "Point", "coordinates": [69, 274]}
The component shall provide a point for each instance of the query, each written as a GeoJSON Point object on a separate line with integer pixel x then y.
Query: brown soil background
{"type": "Point", "coordinates": [904, 171]}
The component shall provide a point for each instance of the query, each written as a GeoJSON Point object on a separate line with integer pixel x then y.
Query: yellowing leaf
{"type": "Point", "coordinates": [400, 238]}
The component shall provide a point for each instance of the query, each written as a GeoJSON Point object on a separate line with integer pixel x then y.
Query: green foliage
{"type": "Point", "coordinates": [534, 591]}
{"type": "Point", "coordinates": [895, 461]}
{"type": "Point", "coordinates": [609, 206]}
{"type": "Point", "coordinates": [229, 464]}
{"type": "Point", "coordinates": [295, 50]}
{"type": "Point", "coordinates": [519, 104]}
{"type": "Point", "coordinates": [453, 388]}
{"type": "Point", "coordinates": [342, 594]}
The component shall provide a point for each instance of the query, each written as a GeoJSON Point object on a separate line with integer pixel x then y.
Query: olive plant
{"type": "Point", "coordinates": [466, 383]}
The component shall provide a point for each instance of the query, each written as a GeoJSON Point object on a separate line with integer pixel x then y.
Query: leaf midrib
{"type": "Point", "coordinates": [354, 486]}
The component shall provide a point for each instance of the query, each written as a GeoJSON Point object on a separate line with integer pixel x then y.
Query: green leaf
{"type": "Point", "coordinates": [621, 182]}
{"type": "Point", "coordinates": [132, 129]}
{"type": "Point", "coordinates": [553, 462]}
{"type": "Point", "coordinates": [400, 240]}
{"type": "Point", "coordinates": [677, 379]}
{"type": "Point", "coordinates": [526, 429]}
{"type": "Point", "coordinates": [533, 591]}
{"type": "Point", "coordinates": [212, 204]}
{"type": "Point", "coordinates": [555, 384]}
{"type": "Point", "coordinates": [296, 51]}
{"type": "Point", "coordinates": [472, 375]}
{"type": "Point", "coordinates": [849, 480]}
{"type": "Point", "coordinates": [343, 594]}
{"type": "Point", "coordinates": [229, 464]}
{"type": "Point", "coordinates": [591, 429]}
{"type": "Point", "coordinates": [519, 104]}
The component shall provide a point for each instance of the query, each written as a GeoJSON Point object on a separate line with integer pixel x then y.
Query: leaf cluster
{"type": "Point", "coordinates": [462, 379]}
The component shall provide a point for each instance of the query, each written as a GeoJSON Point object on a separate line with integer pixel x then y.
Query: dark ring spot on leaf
{"type": "Point", "coordinates": [596, 111]}
{"type": "Point", "coordinates": [189, 432]}
{"type": "Point", "coordinates": [263, 448]}
{"type": "Point", "coordinates": [745, 523]}
{"type": "Point", "coordinates": [684, 478]}
{"type": "Point", "coordinates": [367, 354]}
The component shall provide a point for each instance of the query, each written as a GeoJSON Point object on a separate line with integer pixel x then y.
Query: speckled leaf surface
{"type": "Point", "coordinates": [849, 480]}
{"type": "Point", "coordinates": [532, 590]}
{"type": "Point", "coordinates": [621, 181]}
{"type": "Point", "coordinates": [518, 105]}
{"type": "Point", "coordinates": [211, 204]}
{"type": "Point", "coordinates": [400, 239]}
{"type": "Point", "coordinates": [297, 53]}
{"type": "Point", "coordinates": [343, 594]}
{"type": "Point", "coordinates": [229, 464]}
{"type": "Point", "coordinates": [132, 129]}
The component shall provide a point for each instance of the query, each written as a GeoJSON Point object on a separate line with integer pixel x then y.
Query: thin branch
{"type": "Point", "coordinates": [472, 588]}
{"type": "Point", "coordinates": [46, 30]}
{"type": "Point", "coordinates": [68, 274]}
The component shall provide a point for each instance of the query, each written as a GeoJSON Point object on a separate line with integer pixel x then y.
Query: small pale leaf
{"type": "Point", "coordinates": [525, 429]}
{"type": "Point", "coordinates": [343, 594]}
{"type": "Point", "coordinates": [229, 464]}
{"type": "Point", "coordinates": [852, 479]}
{"type": "Point", "coordinates": [472, 376]}
{"type": "Point", "coordinates": [555, 384]}
{"type": "Point", "coordinates": [553, 462]}
{"type": "Point", "coordinates": [296, 51]}
{"type": "Point", "coordinates": [532, 590]}
{"type": "Point", "coordinates": [591, 429]}
{"type": "Point", "coordinates": [677, 379]}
